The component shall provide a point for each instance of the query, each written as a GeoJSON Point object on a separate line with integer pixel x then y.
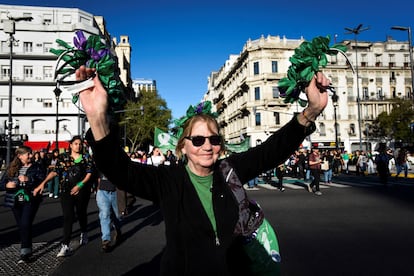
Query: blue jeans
{"type": "Point", "coordinates": [53, 186]}
{"type": "Point", "coordinates": [328, 175]}
{"type": "Point", "coordinates": [108, 212]}
{"type": "Point", "coordinates": [24, 214]}
{"type": "Point", "coordinates": [402, 167]}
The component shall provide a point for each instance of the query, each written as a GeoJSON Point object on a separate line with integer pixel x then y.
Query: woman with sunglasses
{"type": "Point", "coordinates": [21, 178]}
{"type": "Point", "coordinates": [199, 208]}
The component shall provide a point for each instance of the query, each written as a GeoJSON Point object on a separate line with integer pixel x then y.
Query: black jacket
{"type": "Point", "coordinates": [191, 247]}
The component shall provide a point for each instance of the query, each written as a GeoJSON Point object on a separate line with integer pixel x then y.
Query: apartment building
{"type": "Point", "coordinates": [34, 103]}
{"type": "Point", "coordinates": [246, 95]}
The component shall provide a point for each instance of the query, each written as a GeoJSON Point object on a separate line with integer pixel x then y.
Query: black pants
{"type": "Point", "coordinates": [71, 204]}
{"type": "Point", "coordinates": [316, 178]}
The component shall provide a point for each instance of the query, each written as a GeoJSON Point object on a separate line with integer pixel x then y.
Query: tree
{"type": "Point", "coordinates": [396, 125]}
{"type": "Point", "coordinates": [141, 118]}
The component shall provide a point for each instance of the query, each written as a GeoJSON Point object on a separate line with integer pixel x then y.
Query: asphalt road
{"type": "Point", "coordinates": [355, 228]}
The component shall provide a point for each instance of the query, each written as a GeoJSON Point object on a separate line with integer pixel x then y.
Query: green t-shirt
{"type": "Point", "coordinates": [203, 185]}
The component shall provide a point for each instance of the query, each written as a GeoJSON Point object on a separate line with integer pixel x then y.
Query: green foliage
{"type": "Point", "coordinates": [143, 116]}
{"type": "Point", "coordinates": [396, 125]}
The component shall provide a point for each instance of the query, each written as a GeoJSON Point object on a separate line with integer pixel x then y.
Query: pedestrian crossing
{"type": "Point", "coordinates": [293, 184]}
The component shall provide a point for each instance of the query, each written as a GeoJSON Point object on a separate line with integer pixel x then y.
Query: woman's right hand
{"type": "Point", "coordinates": [11, 185]}
{"type": "Point", "coordinates": [94, 102]}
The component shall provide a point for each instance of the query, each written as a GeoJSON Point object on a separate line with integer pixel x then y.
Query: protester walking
{"type": "Point", "coordinates": [74, 169]}
{"type": "Point", "coordinates": [20, 179]}
{"type": "Point", "coordinates": [315, 170]}
{"type": "Point", "coordinates": [109, 217]}
{"type": "Point", "coordinates": [198, 207]}
{"type": "Point", "coordinates": [53, 184]}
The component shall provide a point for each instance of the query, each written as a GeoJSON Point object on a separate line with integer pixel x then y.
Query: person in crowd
{"type": "Point", "coordinates": [337, 163]}
{"type": "Point", "coordinates": [170, 158]}
{"type": "Point", "coordinates": [345, 160]}
{"type": "Point", "coordinates": [391, 162]}
{"type": "Point", "coordinates": [328, 157]}
{"type": "Point", "coordinates": [156, 157]}
{"type": "Point", "coordinates": [301, 164]}
{"type": "Point", "coordinates": [202, 220]}
{"type": "Point", "coordinates": [20, 179]}
{"type": "Point", "coordinates": [53, 184]}
{"type": "Point", "coordinates": [401, 163]}
{"type": "Point", "coordinates": [106, 199]}
{"type": "Point", "coordinates": [362, 162]}
{"type": "Point", "coordinates": [280, 173]}
{"type": "Point", "coordinates": [315, 171]}
{"type": "Point", "coordinates": [382, 160]}
{"type": "Point", "coordinates": [75, 170]}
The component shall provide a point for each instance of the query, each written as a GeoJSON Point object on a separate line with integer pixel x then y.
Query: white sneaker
{"type": "Point", "coordinates": [50, 194]}
{"type": "Point", "coordinates": [83, 238]}
{"type": "Point", "coordinates": [64, 251]}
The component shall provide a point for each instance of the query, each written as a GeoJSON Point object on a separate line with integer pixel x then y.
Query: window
{"type": "Point", "coordinates": [67, 19]}
{"type": "Point", "coordinates": [274, 66]}
{"type": "Point", "coordinates": [46, 47]}
{"type": "Point", "coordinates": [258, 119]}
{"type": "Point", "coordinates": [27, 47]}
{"type": "Point", "coordinates": [275, 92]}
{"type": "Point", "coordinates": [256, 68]}
{"type": "Point", "coordinates": [5, 47]}
{"type": "Point", "coordinates": [47, 72]}
{"type": "Point", "coordinates": [351, 129]}
{"type": "Point", "coordinates": [28, 72]}
{"type": "Point", "coordinates": [257, 93]}
{"type": "Point", "coordinates": [277, 118]}
{"type": "Point", "coordinates": [365, 95]}
{"type": "Point", "coordinates": [322, 130]}
{"type": "Point", "coordinates": [380, 95]}
{"type": "Point", "coordinates": [5, 71]}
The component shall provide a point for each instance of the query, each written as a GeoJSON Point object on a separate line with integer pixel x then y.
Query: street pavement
{"type": "Point", "coordinates": [304, 223]}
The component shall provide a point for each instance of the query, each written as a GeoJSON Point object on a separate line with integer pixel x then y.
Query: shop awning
{"type": "Point", "coordinates": [49, 146]}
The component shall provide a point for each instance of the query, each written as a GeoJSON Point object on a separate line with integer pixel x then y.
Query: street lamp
{"type": "Point", "coordinates": [57, 92]}
{"type": "Point", "coordinates": [335, 98]}
{"type": "Point", "coordinates": [10, 28]}
{"type": "Point", "coordinates": [408, 29]}
{"type": "Point", "coordinates": [356, 31]}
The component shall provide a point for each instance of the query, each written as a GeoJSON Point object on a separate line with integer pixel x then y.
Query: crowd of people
{"type": "Point", "coordinates": [71, 177]}
{"type": "Point", "coordinates": [316, 165]}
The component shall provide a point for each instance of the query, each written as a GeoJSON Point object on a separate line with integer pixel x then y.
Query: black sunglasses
{"type": "Point", "coordinates": [198, 141]}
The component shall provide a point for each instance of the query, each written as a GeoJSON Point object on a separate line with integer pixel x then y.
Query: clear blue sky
{"type": "Point", "coordinates": [178, 43]}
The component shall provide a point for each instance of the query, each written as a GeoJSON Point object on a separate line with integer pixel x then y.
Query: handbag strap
{"type": "Point", "coordinates": [250, 214]}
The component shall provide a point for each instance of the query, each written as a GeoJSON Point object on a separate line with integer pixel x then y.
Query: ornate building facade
{"type": "Point", "coordinates": [246, 95]}
{"type": "Point", "coordinates": [34, 104]}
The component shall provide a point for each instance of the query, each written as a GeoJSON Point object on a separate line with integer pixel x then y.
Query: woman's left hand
{"type": "Point", "coordinates": [75, 190]}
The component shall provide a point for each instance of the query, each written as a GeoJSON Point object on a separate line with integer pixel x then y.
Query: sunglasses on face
{"type": "Point", "coordinates": [198, 141]}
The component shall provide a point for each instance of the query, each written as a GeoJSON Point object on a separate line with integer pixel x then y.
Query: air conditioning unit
{"type": "Point", "coordinates": [39, 100]}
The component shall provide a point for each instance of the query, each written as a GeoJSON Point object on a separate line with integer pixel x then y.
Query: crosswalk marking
{"type": "Point", "coordinates": [294, 186]}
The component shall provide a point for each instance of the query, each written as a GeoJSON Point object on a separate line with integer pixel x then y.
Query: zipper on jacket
{"type": "Point", "coordinates": [217, 240]}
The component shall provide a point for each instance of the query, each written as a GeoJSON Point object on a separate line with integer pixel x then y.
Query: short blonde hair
{"type": "Point", "coordinates": [188, 127]}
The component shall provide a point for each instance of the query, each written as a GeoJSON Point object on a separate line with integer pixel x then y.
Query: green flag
{"type": "Point", "coordinates": [164, 141]}
{"type": "Point", "coordinates": [239, 147]}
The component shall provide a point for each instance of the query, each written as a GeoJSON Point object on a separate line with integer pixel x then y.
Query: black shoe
{"type": "Point", "coordinates": [26, 259]}
{"type": "Point", "coordinates": [106, 246]}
